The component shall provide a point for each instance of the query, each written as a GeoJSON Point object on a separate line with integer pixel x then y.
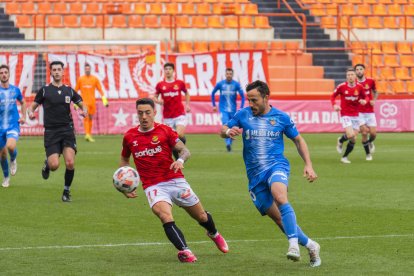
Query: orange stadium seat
{"type": "Point", "coordinates": [375, 22]}
{"type": "Point", "coordinates": [262, 22]}
{"type": "Point", "coordinates": [377, 60]}
{"type": "Point", "coordinates": [382, 87]}
{"type": "Point", "coordinates": [401, 2]}
{"type": "Point", "coordinates": [238, 9]}
{"type": "Point", "coordinates": [218, 8]}
{"type": "Point", "coordinates": [262, 45]}
{"type": "Point", "coordinates": [87, 21]}
{"type": "Point", "coordinates": [355, 1]}
{"type": "Point", "coordinates": [394, 9]}
{"type": "Point", "coordinates": [76, 8]}
{"type": "Point", "coordinates": [379, 9]}
{"type": "Point", "coordinates": [215, 46]}
{"type": "Point", "coordinates": [318, 9]}
{"type": "Point", "coordinates": [370, 2]}
{"type": "Point", "coordinates": [358, 22]}
{"type": "Point", "coordinates": [188, 8]}
{"type": "Point", "coordinates": [348, 9]}
{"type": "Point", "coordinates": [391, 60]}
{"type": "Point", "coordinates": [387, 73]}
{"type": "Point", "coordinates": [198, 21]}
{"type": "Point", "coordinates": [40, 20]}
{"type": "Point", "coordinates": [166, 21]}
{"type": "Point", "coordinates": [388, 47]}
{"type": "Point", "coordinates": [292, 47]}
{"type": "Point", "coordinates": [231, 45]}
{"type": "Point", "coordinates": [407, 60]}
{"type": "Point", "coordinates": [23, 21]}
{"type": "Point", "coordinates": [246, 22]}
{"type": "Point", "coordinates": [102, 21]}
{"type": "Point", "coordinates": [356, 59]}
{"type": "Point", "coordinates": [54, 21]}
{"type": "Point", "coordinates": [171, 8]}
{"type": "Point", "coordinates": [70, 21]}
{"type": "Point", "coordinates": [127, 8]}
{"type": "Point", "coordinates": [409, 10]}
{"type": "Point", "coordinates": [277, 47]}
{"type": "Point", "coordinates": [246, 45]}
{"type": "Point", "coordinates": [156, 8]}
{"type": "Point", "coordinates": [214, 21]}
{"type": "Point", "coordinates": [140, 8]}
{"type": "Point", "coordinates": [359, 47]}
{"type": "Point", "coordinates": [135, 21]}
{"type": "Point", "coordinates": [28, 7]}
{"type": "Point", "coordinates": [364, 9]}
{"type": "Point", "coordinates": [182, 21]}
{"type": "Point", "coordinates": [404, 47]}
{"type": "Point", "coordinates": [375, 46]}
{"type": "Point", "coordinates": [398, 86]}
{"type": "Point", "coordinates": [328, 22]}
{"type": "Point", "coordinates": [60, 7]}
{"type": "Point", "coordinates": [251, 9]}
{"type": "Point", "coordinates": [185, 46]}
{"type": "Point", "coordinates": [44, 8]}
{"type": "Point", "coordinates": [390, 22]}
{"type": "Point", "coordinates": [200, 46]}
{"type": "Point", "coordinates": [384, 1]}
{"type": "Point", "coordinates": [402, 73]}
{"type": "Point", "coordinates": [93, 8]}
{"type": "Point", "coordinates": [13, 8]}
{"type": "Point", "coordinates": [119, 21]}
{"type": "Point", "coordinates": [230, 21]}
{"type": "Point", "coordinates": [331, 9]}
{"type": "Point", "coordinates": [410, 86]}
{"type": "Point", "coordinates": [203, 8]}
{"type": "Point", "coordinates": [151, 21]}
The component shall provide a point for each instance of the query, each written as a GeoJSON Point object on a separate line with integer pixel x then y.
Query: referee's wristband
{"type": "Point", "coordinates": [227, 132]}
{"type": "Point", "coordinates": [180, 160]}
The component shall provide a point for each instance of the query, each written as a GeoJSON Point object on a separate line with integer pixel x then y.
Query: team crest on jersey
{"type": "Point", "coordinates": [155, 140]}
{"type": "Point", "coordinates": [272, 121]}
{"type": "Point", "coordinates": [366, 86]}
{"type": "Point", "coordinates": [67, 99]}
{"type": "Point", "coordinates": [346, 92]}
{"type": "Point", "coordinates": [164, 87]}
{"type": "Point", "coordinates": [175, 87]}
{"type": "Point", "coordinates": [59, 92]}
{"type": "Point", "coordinates": [355, 93]}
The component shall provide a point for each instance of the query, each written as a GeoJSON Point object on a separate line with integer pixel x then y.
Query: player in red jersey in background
{"type": "Point", "coordinates": [173, 112]}
{"type": "Point", "coordinates": [367, 120]}
{"type": "Point", "coordinates": [352, 95]}
{"type": "Point", "coordinates": [150, 145]}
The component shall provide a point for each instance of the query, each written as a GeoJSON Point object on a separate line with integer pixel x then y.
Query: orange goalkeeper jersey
{"type": "Point", "coordinates": [86, 86]}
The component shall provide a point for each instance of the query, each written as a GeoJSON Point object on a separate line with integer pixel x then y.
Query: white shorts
{"type": "Point", "coordinates": [348, 121]}
{"type": "Point", "coordinates": [176, 191]}
{"type": "Point", "coordinates": [367, 119]}
{"type": "Point", "coordinates": [173, 122]}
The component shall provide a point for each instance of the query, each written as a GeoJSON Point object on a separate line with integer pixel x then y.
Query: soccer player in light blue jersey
{"type": "Point", "coordinates": [267, 169]}
{"type": "Point", "coordinates": [10, 123]}
{"type": "Point", "coordinates": [228, 100]}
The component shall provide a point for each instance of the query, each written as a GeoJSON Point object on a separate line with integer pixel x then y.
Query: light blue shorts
{"type": "Point", "coordinates": [9, 133]}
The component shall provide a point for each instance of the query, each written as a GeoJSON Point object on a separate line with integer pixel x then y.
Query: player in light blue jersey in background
{"type": "Point", "coordinates": [10, 123]}
{"type": "Point", "coordinates": [267, 169]}
{"type": "Point", "coordinates": [228, 100]}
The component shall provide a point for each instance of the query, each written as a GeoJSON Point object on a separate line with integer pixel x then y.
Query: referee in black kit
{"type": "Point", "coordinates": [59, 136]}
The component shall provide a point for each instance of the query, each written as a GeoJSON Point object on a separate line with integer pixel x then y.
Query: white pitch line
{"type": "Point", "coordinates": [195, 242]}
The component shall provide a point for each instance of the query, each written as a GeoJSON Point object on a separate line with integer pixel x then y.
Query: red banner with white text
{"type": "Point", "coordinates": [310, 116]}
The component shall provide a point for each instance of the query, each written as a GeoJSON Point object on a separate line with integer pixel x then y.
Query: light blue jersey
{"type": "Point", "coordinates": [263, 144]}
{"type": "Point", "coordinates": [228, 95]}
{"type": "Point", "coordinates": [8, 107]}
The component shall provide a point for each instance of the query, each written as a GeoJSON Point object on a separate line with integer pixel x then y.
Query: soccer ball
{"type": "Point", "coordinates": [126, 179]}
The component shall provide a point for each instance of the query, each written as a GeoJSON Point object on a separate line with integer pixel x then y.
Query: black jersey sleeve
{"type": "Point", "coordinates": [40, 96]}
{"type": "Point", "coordinates": [76, 98]}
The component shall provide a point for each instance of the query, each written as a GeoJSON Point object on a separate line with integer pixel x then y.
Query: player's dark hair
{"type": "Point", "coordinates": [56, 62]}
{"type": "Point", "coordinates": [359, 64]}
{"type": "Point", "coordinates": [169, 64]}
{"type": "Point", "coordinates": [143, 101]}
{"type": "Point", "coordinates": [229, 69]}
{"type": "Point", "coordinates": [350, 69]}
{"type": "Point", "coordinates": [261, 86]}
{"type": "Point", "coordinates": [87, 65]}
{"type": "Point", "coordinates": [4, 66]}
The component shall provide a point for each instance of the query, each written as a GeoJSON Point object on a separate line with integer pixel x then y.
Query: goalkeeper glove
{"type": "Point", "coordinates": [105, 101]}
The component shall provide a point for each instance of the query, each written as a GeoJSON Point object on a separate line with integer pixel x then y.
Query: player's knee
{"type": "Point", "coordinates": [70, 164]}
{"type": "Point", "coordinates": [202, 216]}
{"type": "Point", "coordinates": [53, 165]}
{"type": "Point", "coordinates": [11, 147]}
{"type": "Point", "coordinates": [280, 199]}
{"type": "Point", "coordinates": [165, 217]}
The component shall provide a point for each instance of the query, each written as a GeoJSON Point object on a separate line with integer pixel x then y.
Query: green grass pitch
{"type": "Point", "coordinates": [362, 214]}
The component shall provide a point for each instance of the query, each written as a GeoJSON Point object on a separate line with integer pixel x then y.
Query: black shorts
{"type": "Point", "coordinates": [56, 139]}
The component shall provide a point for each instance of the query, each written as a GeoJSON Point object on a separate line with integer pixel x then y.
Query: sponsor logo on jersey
{"type": "Point", "coordinates": [155, 140]}
{"type": "Point", "coordinates": [351, 98]}
{"type": "Point", "coordinates": [261, 133]}
{"type": "Point", "coordinates": [346, 92]}
{"type": "Point", "coordinates": [67, 99]}
{"type": "Point", "coordinates": [135, 143]}
{"type": "Point", "coordinates": [170, 94]}
{"type": "Point", "coordinates": [148, 152]}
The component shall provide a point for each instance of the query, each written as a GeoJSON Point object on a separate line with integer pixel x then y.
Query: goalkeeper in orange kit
{"type": "Point", "coordinates": [86, 86]}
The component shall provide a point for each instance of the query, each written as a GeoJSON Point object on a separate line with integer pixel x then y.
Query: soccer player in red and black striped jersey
{"type": "Point", "coordinates": [367, 120]}
{"type": "Point", "coordinates": [352, 95]}
{"type": "Point", "coordinates": [174, 112]}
